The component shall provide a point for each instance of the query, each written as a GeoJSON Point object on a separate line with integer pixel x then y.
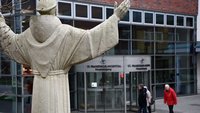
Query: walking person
{"type": "Point", "coordinates": [142, 99]}
{"type": "Point", "coordinates": [148, 98]}
{"type": "Point", "coordinates": [170, 97]}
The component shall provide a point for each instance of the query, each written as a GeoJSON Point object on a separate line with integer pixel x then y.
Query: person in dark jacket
{"type": "Point", "coordinates": [142, 99]}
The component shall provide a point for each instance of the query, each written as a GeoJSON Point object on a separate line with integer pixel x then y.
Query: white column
{"type": "Point", "coordinates": [198, 22]}
{"type": "Point", "coordinates": [198, 56]}
{"type": "Point", "coordinates": [198, 74]}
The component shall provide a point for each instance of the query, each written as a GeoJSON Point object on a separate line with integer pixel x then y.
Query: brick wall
{"type": "Point", "coordinates": [189, 7]}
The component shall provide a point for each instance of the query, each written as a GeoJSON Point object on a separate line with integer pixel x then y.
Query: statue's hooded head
{"type": "Point", "coordinates": [46, 7]}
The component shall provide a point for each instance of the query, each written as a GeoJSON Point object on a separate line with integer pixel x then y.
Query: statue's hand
{"type": "Point", "coordinates": [121, 10]}
{"type": "Point", "coordinates": [1, 18]}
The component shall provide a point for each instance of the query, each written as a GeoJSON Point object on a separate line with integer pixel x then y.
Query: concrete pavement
{"type": "Point", "coordinates": [186, 104]}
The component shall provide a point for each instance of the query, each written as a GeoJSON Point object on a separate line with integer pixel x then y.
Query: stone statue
{"type": "Point", "coordinates": [51, 48]}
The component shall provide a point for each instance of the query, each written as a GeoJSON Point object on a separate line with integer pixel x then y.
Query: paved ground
{"type": "Point", "coordinates": [186, 104]}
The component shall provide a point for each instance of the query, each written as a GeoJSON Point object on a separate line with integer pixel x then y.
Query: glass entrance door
{"type": "Point", "coordinates": [105, 91]}
{"type": "Point", "coordinates": [132, 81]}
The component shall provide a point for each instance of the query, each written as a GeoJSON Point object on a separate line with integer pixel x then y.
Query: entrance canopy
{"type": "Point", "coordinates": [116, 64]}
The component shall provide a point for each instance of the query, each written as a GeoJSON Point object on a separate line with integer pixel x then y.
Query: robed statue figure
{"type": "Point", "coordinates": [51, 48]}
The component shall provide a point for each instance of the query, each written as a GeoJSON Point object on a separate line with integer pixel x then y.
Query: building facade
{"type": "Point", "coordinates": [198, 48]}
{"type": "Point", "coordinates": [157, 46]}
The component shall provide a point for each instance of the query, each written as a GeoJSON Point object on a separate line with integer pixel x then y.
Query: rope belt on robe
{"type": "Point", "coordinates": [50, 73]}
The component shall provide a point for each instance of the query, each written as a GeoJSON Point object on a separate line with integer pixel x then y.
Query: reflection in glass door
{"type": "Point", "coordinates": [132, 80]}
{"type": "Point", "coordinates": [105, 91]}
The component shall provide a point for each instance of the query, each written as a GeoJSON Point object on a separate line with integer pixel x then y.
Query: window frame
{"type": "Point", "coordinates": [153, 21]}
{"type": "Point", "coordinates": [88, 12]}
{"type": "Point", "coordinates": [174, 20]}
{"type": "Point", "coordinates": [10, 64]}
{"type": "Point", "coordinates": [131, 15]}
{"type": "Point", "coordinates": [7, 14]}
{"type": "Point", "coordinates": [107, 7]}
{"type": "Point", "coordinates": [184, 22]}
{"type": "Point", "coordinates": [164, 19]}
{"type": "Point", "coordinates": [128, 22]}
{"type": "Point", "coordinates": [142, 17]}
{"type": "Point", "coordinates": [103, 12]}
{"type": "Point", "coordinates": [65, 16]}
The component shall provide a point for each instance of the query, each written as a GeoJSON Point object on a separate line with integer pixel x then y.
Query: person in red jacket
{"type": "Point", "coordinates": [170, 97]}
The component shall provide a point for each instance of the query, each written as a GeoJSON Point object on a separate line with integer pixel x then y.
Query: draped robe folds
{"type": "Point", "coordinates": [52, 59]}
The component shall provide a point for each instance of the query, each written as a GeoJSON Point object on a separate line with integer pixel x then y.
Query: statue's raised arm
{"type": "Point", "coordinates": [9, 42]}
{"type": "Point", "coordinates": [100, 38]}
{"type": "Point", "coordinates": [51, 48]}
{"type": "Point", "coordinates": [122, 9]}
{"type": "Point", "coordinates": [5, 33]}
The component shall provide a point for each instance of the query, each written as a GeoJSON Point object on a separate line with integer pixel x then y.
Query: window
{"type": "Point", "coordinates": [143, 40]}
{"type": "Point", "coordinates": [189, 21]}
{"type": "Point", "coordinates": [170, 20]}
{"type": "Point", "coordinates": [164, 47]}
{"type": "Point", "coordinates": [19, 69]}
{"type": "Point", "coordinates": [81, 10]}
{"type": "Point", "coordinates": [64, 8]}
{"type": "Point", "coordinates": [86, 25]}
{"type": "Point", "coordinates": [163, 76]}
{"type": "Point", "coordinates": [124, 31]}
{"type": "Point", "coordinates": [184, 34]}
{"type": "Point", "coordinates": [159, 36]}
{"type": "Point", "coordinates": [186, 88]}
{"type": "Point", "coordinates": [164, 33]}
{"type": "Point", "coordinates": [148, 18]}
{"type": "Point", "coordinates": [160, 19]}
{"type": "Point", "coordinates": [67, 21]}
{"type": "Point", "coordinates": [165, 62]}
{"type": "Point", "coordinates": [122, 48]}
{"type": "Point", "coordinates": [142, 33]}
{"type": "Point", "coordinates": [5, 64]}
{"type": "Point", "coordinates": [10, 21]}
{"type": "Point", "coordinates": [109, 12]}
{"type": "Point", "coordinates": [137, 16]}
{"type": "Point", "coordinates": [97, 12]}
{"type": "Point", "coordinates": [148, 35]}
{"type": "Point", "coordinates": [28, 6]}
{"type": "Point", "coordinates": [126, 17]}
{"type": "Point", "coordinates": [28, 85]}
{"type": "Point", "coordinates": [180, 21]}
{"type": "Point", "coordinates": [142, 47]}
{"type": "Point", "coordinates": [183, 48]}
{"type": "Point", "coordinates": [10, 102]}
{"type": "Point", "coordinates": [184, 60]}
{"type": "Point", "coordinates": [6, 6]}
